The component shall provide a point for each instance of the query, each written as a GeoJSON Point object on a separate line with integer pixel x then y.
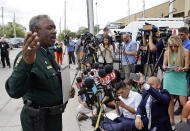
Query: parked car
{"type": "Point", "coordinates": [17, 42]}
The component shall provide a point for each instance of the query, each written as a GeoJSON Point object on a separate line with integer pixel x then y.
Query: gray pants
{"type": "Point", "coordinates": [127, 69]}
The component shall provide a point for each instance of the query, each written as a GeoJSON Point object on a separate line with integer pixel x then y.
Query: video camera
{"type": "Point", "coordinates": [118, 36]}
{"type": "Point", "coordinates": [147, 28]}
{"type": "Point", "coordinates": [89, 39]}
{"type": "Point", "coordinates": [165, 33]}
{"type": "Point", "coordinates": [89, 89]}
{"type": "Point", "coordinates": [66, 40]}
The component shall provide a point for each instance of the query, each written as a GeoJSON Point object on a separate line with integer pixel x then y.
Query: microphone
{"type": "Point", "coordinates": [187, 20]}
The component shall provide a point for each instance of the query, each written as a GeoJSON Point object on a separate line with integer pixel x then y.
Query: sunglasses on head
{"type": "Point", "coordinates": [173, 46]}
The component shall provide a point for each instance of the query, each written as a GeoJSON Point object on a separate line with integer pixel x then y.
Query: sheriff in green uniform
{"type": "Point", "coordinates": [37, 80]}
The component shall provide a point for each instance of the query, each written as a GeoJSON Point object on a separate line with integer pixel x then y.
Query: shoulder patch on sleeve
{"type": "Point", "coordinates": [18, 60]}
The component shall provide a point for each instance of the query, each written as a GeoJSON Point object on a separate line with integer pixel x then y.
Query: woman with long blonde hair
{"type": "Point", "coordinates": [175, 63]}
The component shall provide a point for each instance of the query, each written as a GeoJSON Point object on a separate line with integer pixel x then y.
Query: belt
{"type": "Point", "coordinates": [51, 110]}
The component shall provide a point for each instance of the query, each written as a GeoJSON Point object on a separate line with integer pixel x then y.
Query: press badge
{"type": "Point", "coordinates": [49, 67]}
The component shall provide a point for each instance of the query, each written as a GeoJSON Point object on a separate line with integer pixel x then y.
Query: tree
{"type": "Point", "coordinates": [82, 30]}
{"type": "Point", "coordinates": [61, 36]}
{"type": "Point", "coordinates": [9, 30]}
{"type": "Point", "coordinates": [96, 29]}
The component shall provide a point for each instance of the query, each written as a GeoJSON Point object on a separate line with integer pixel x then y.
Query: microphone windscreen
{"type": "Point", "coordinates": [102, 73]}
{"type": "Point", "coordinates": [89, 83]}
{"type": "Point", "coordinates": [108, 69]}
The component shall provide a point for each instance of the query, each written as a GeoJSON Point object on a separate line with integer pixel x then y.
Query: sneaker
{"type": "Point", "coordinates": [179, 110]}
{"type": "Point", "coordinates": [82, 117]}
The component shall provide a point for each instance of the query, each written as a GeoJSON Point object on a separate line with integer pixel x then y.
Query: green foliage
{"type": "Point", "coordinates": [62, 34]}
{"type": "Point", "coordinates": [9, 30]}
{"type": "Point", "coordinates": [96, 29]}
{"type": "Point", "coordinates": [82, 30]}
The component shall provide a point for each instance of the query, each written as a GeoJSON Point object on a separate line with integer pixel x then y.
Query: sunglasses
{"type": "Point", "coordinates": [175, 46]}
{"type": "Point", "coordinates": [181, 34]}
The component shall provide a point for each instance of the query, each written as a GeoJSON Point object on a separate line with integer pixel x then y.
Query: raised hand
{"type": "Point", "coordinates": [31, 44]}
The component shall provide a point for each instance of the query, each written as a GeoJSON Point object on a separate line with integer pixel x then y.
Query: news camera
{"type": "Point", "coordinates": [89, 90]}
{"type": "Point", "coordinates": [118, 36]}
{"type": "Point", "coordinates": [165, 33]}
{"type": "Point", "coordinates": [147, 28]}
{"type": "Point", "coordinates": [87, 51]}
{"type": "Point", "coordinates": [66, 40]}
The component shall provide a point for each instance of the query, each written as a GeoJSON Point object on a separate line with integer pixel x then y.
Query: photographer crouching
{"type": "Point", "coordinates": [152, 112]}
{"type": "Point", "coordinates": [126, 107]}
{"type": "Point", "coordinates": [87, 100]}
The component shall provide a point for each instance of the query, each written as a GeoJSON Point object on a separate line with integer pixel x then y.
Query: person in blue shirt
{"type": "Point", "coordinates": [157, 45]}
{"type": "Point", "coordinates": [71, 49]}
{"type": "Point", "coordinates": [129, 50]}
{"type": "Point", "coordinates": [184, 36]}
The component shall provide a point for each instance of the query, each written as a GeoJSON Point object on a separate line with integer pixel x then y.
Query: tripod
{"type": "Point", "coordinates": [99, 115]}
{"type": "Point", "coordinates": [157, 62]}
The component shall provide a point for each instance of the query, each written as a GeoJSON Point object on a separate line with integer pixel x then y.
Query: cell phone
{"type": "Point", "coordinates": [134, 76]}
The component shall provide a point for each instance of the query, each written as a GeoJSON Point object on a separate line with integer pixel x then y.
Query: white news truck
{"type": "Point", "coordinates": [173, 23]}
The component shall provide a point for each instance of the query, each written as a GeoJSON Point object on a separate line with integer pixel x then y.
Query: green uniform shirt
{"type": "Point", "coordinates": [38, 82]}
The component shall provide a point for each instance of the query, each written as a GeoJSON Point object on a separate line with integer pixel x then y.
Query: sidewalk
{"type": "Point", "coordinates": [10, 108]}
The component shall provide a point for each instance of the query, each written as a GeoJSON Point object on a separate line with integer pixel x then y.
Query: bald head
{"type": "Point", "coordinates": [154, 82]}
{"type": "Point", "coordinates": [126, 37]}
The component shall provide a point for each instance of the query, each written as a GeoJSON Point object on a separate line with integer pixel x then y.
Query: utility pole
{"type": "Point", "coordinates": [171, 8]}
{"type": "Point", "coordinates": [90, 13]}
{"type": "Point", "coordinates": [128, 11]}
{"type": "Point", "coordinates": [97, 17]}
{"type": "Point", "coordinates": [14, 26]}
{"type": "Point", "coordinates": [143, 8]}
{"type": "Point", "coordinates": [3, 22]}
{"type": "Point", "coordinates": [65, 18]}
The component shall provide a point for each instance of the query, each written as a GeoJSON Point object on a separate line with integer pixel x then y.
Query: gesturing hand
{"type": "Point", "coordinates": [30, 47]}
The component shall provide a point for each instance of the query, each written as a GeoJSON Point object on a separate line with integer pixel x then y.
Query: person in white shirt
{"type": "Point", "coordinates": [126, 107]}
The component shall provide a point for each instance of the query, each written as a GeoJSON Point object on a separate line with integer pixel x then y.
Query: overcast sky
{"type": "Point", "coordinates": [107, 11]}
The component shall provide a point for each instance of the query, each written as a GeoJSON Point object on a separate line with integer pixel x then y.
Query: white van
{"type": "Point", "coordinates": [173, 23]}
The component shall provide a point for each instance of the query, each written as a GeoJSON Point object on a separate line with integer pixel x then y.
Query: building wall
{"type": "Point", "coordinates": [187, 8]}
{"type": "Point", "coordinates": [181, 9]}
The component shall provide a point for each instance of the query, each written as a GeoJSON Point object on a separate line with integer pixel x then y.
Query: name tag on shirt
{"type": "Point", "coordinates": [49, 67]}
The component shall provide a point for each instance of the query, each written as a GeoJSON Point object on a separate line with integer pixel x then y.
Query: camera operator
{"type": "Point", "coordinates": [105, 52]}
{"type": "Point", "coordinates": [152, 112]}
{"type": "Point", "coordinates": [129, 50]}
{"type": "Point", "coordinates": [87, 100]}
{"type": "Point", "coordinates": [156, 45]}
{"type": "Point", "coordinates": [90, 48]}
{"type": "Point", "coordinates": [126, 106]}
